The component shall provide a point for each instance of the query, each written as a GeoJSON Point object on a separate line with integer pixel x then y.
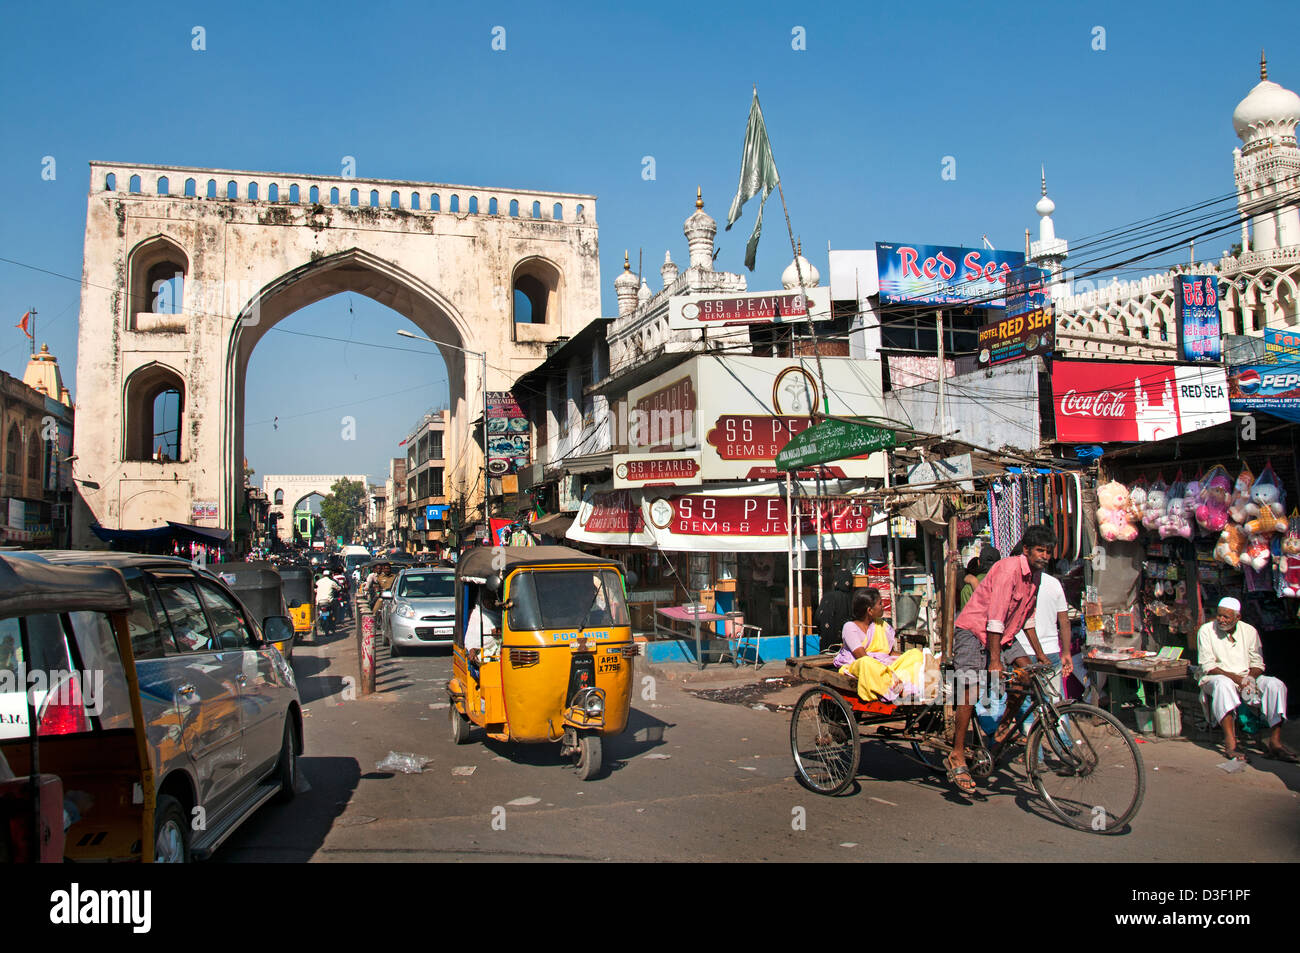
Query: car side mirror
{"type": "Point", "coordinates": [277, 628]}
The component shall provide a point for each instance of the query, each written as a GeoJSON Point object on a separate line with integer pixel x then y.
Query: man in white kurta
{"type": "Point", "coordinates": [1232, 671]}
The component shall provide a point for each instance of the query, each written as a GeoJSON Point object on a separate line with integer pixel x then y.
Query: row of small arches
{"type": "Point", "coordinates": [190, 190]}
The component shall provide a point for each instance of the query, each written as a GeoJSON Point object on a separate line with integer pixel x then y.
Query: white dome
{"type": "Point", "coordinates": [1267, 109]}
{"type": "Point", "coordinates": [790, 277]}
{"type": "Point", "coordinates": [1045, 206]}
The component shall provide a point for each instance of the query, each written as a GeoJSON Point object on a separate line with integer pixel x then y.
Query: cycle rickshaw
{"type": "Point", "coordinates": [1081, 760]}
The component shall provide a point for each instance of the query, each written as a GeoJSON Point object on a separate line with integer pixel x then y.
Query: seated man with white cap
{"type": "Point", "coordinates": [1233, 671]}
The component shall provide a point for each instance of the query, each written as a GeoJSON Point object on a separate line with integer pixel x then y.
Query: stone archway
{"type": "Point", "coordinates": [292, 489]}
{"type": "Point", "coordinates": [252, 262]}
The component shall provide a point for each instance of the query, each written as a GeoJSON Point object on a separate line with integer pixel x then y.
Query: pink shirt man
{"type": "Point", "coordinates": [1003, 603]}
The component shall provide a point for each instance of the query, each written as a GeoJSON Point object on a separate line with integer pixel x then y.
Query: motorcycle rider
{"type": "Point", "coordinates": [380, 582]}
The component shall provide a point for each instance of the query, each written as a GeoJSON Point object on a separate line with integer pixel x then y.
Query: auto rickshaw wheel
{"type": "Point", "coordinates": [459, 726]}
{"type": "Point", "coordinates": [171, 834]}
{"type": "Point", "coordinates": [589, 756]}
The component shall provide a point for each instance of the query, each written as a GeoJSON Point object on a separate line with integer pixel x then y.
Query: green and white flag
{"type": "Point", "coordinates": [757, 174]}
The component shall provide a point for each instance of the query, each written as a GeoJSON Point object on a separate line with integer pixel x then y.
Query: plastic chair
{"type": "Point", "coordinates": [737, 629]}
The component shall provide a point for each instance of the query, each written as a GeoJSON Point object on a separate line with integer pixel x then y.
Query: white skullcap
{"type": "Point", "coordinates": [1227, 602]}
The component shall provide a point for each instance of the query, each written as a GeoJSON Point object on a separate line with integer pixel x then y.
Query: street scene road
{"type": "Point", "coordinates": [698, 780]}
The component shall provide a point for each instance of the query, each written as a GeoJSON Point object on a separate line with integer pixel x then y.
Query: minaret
{"type": "Point", "coordinates": [625, 289]}
{"type": "Point", "coordinates": [1049, 252]}
{"type": "Point", "coordinates": [700, 229]}
{"type": "Point", "coordinates": [1268, 163]}
{"type": "Point", "coordinates": [669, 269]}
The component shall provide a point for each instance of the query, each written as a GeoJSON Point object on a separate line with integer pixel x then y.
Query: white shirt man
{"type": "Point", "coordinates": [478, 631]}
{"type": "Point", "coordinates": [325, 590]}
{"type": "Point", "coordinates": [1228, 651]}
{"type": "Point", "coordinates": [1052, 621]}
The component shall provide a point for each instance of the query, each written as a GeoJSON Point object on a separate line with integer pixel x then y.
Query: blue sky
{"type": "Point", "coordinates": [860, 122]}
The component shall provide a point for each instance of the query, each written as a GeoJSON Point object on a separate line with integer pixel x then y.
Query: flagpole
{"type": "Point", "coordinates": [33, 334]}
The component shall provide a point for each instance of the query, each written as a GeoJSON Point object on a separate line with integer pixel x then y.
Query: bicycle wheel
{"type": "Point", "coordinates": [824, 741]}
{"type": "Point", "coordinates": [1088, 769]}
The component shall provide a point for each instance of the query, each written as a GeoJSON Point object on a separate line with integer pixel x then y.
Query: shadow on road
{"type": "Point", "coordinates": [293, 832]}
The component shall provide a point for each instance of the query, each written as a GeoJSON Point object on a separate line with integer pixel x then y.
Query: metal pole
{"type": "Point", "coordinates": [486, 524]}
{"type": "Point", "coordinates": [820, 573]}
{"type": "Point", "coordinates": [943, 408]}
{"type": "Point", "coordinates": [790, 546]}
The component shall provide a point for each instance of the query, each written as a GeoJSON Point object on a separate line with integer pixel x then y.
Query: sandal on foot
{"type": "Point", "coordinates": [1232, 754]}
{"type": "Point", "coordinates": [959, 774]}
{"type": "Point", "coordinates": [1284, 754]}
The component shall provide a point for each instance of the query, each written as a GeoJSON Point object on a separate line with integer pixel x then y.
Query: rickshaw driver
{"type": "Point", "coordinates": [1004, 602]}
{"type": "Point", "coordinates": [483, 627]}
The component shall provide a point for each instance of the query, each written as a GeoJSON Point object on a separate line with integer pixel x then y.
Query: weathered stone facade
{"type": "Point", "coordinates": [252, 248]}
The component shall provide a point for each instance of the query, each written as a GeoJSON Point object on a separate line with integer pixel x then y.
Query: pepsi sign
{"type": "Point", "coordinates": [1272, 388]}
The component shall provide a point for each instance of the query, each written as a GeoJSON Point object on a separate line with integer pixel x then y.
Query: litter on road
{"type": "Point", "coordinates": [404, 762]}
{"type": "Point", "coordinates": [523, 802]}
{"type": "Point", "coordinates": [464, 771]}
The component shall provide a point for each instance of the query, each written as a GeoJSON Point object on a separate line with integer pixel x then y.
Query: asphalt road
{"type": "Point", "coordinates": [700, 780]}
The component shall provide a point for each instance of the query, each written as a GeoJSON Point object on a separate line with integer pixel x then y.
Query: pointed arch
{"type": "Point", "coordinates": [156, 269]}
{"type": "Point", "coordinates": [153, 414]}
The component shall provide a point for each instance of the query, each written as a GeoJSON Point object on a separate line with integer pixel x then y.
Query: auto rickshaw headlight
{"type": "Point", "coordinates": [595, 704]}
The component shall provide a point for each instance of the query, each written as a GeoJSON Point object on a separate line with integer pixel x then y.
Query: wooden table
{"type": "Point", "coordinates": [1161, 677]}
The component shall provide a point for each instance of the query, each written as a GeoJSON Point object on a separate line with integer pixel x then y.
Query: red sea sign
{"type": "Point", "coordinates": [1103, 401]}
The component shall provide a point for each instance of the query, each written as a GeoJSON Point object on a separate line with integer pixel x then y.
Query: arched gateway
{"type": "Point", "coordinates": [285, 491]}
{"type": "Point", "coordinates": [186, 269]}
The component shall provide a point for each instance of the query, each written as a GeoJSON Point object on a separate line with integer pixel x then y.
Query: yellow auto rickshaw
{"type": "Point", "coordinates": [542, 650]}
{"type": "Point", "coordinates": [300, 598]}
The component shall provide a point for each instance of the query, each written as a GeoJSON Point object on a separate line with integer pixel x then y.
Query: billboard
{"type": "Point", "coordinates": [944, 274]}
{"type": "Point", "coordinates": [1015, 336]}
{"type": "Point", "coordinates": [1104, 401]}
{"type": "Point", "coordinates": [633, 470]}
{"type": "Point", "coordinates": [1272, 388]}
{"type": "Point", "coordinates": [507, 434]}
{"type": "Point", "coordinates": [1280, 344]}
{"type": "Point", "coordinates": [739, 412]}
{"type": "Point", "coordinates": [1196, 304]}
{"type": "Point", "coordinates": [690, 312]}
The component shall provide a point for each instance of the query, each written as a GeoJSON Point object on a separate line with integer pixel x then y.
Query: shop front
{"type": "Point", "coordinates": [745, 553]}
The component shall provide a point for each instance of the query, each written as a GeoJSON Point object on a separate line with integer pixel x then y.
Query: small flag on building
{"type": "Point", "coordinates": [403, 443]}
{"type": "Point", "coordinates": [757, 174]}
{"type": "Point", "coordinates": [22, 325]}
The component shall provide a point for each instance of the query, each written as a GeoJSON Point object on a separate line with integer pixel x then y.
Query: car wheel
{"type": "Point", "coordinates": [286, 771]}
{"type": "Point", "coordinates": [171, 833]}
{"type": "Point", "coordinates": [394, 650]}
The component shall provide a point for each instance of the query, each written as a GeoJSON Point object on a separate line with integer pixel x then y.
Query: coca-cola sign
{"type": "Point", "coordinates": [1110, 401]}
{"type": "Point", "coordinates": [1106, 403]}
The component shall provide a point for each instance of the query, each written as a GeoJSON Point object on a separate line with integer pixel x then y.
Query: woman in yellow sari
{"type": "Point", "coordinates": [868, 653]}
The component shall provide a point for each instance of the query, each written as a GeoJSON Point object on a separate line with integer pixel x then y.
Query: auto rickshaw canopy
{"type": "Point", "coordinates": [477, 563]}
{"type": "Point", "coordinates": [29, 586]}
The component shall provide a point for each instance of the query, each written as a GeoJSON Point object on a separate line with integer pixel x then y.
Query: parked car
{"type": "Point", "coordinates": [422, 610]}
{"type": "Point", "coordinates": [222, 713]}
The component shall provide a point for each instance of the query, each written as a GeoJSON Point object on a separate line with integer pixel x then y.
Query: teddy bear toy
{"type": "Point", "coordinates": [1212, 510]}
{"type": "Point", "coordinates": [1228, 551]}
{"type": "Point", "coordinates": [1288, 563]}
{"type": "Point", "coordinates": [1264, 512]}
{"type": "Point", "coordinates": [1137, 501]}
{"type": "Point", "coordinates": [1257, 555]}
{"type": "Point", "coordinates": [1241, 497]}
{"type": "Point", "coordinates": [1175, 521]}
{"type": "Point", "coordinates": [1153, 511]}
{"type": "Point", "coordinates": [1113, 514]}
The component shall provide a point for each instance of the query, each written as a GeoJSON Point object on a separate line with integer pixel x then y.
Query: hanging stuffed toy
{"type": "Point", "coordinates": [1241, 497]}
{"type": "Point", "coordinates": [1288, 564]}
{"type": "Point", "coordinates": [1212, 505]}
{"type": "Point", "coordinates": [1153, 510]}
{"type": "Point", "coordinates": [1266, 507]}
{"type": "Point", "coordinates": [1175, 522]}
{"type": "Point", "coordinates": [1113, 513]}
{"type": "Point", "coordinates": [1231, 544]}
{"type": "Point", "coordinates": [1257, 555]}
{"type": "Point", "coordinates": [1137, 500]}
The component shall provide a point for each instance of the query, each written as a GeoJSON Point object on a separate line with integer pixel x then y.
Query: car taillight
{"type": "Point", "coordinates": [520, 658]}
{"type": "Point", "coordinates": [63, 713]}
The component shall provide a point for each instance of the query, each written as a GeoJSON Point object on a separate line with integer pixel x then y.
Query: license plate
{"type": "Point", "coordinates": [609, 664]}
{"type": "Point", "coordinates": [442, 630]}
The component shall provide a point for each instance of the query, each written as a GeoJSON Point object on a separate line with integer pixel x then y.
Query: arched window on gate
{"type": "Point", "coordinates": [535, 287]}
{"type": "Point", "coordinates": [279, 497]}
{"type": "Point", "coordinates": [157, 268]}
{"type": "Point", "coordinates": [155, 415]}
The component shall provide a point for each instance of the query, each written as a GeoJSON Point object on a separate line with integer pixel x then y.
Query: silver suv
{"type": "Point", "coordinates": [422, 610]}
{"type": "Point", "coordinates": [221, 705]}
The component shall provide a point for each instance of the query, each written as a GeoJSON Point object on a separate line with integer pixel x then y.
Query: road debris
{"type": "Point", "coordinates": [404, 762]}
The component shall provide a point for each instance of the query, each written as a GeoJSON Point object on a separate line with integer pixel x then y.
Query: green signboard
{"type": "Point", "coordinates": [832, 440]}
